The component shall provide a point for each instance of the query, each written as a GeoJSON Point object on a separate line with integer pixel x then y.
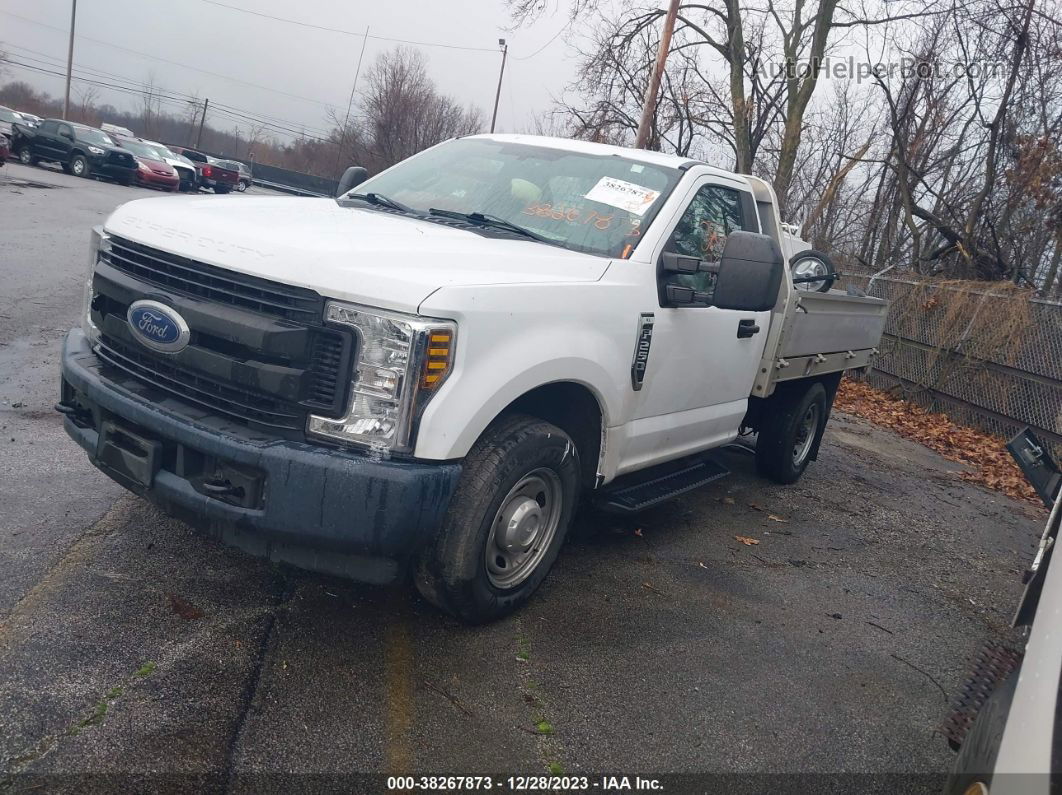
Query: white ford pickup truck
{"type": "Point", "coordinates": [423, 377]}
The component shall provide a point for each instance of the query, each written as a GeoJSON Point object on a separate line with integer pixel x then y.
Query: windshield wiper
{"type": "Point", "coordinates": [381, 201]}
{"type": "Point", "coordinates": [485, 219]}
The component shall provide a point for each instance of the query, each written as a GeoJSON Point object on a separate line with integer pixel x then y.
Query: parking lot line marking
{"type": "Point", "coordinates": [398, 662]}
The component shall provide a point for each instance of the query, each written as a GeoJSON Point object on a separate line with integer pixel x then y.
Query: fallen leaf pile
{"type": "Point", "coordinates": [749, 542]}
{"type": "Point", "coordinates": [992, 465]}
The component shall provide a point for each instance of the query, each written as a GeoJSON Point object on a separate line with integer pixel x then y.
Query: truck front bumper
{"type": "Point", "coordinates": [316, 507]}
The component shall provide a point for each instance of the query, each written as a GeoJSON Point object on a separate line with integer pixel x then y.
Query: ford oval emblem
{"type": "Point", "coordinates": [157, 326]}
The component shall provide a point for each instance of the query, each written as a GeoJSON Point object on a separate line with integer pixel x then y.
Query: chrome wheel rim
{"type": "Point", "coordinates": [77, 167]}
{"type": "Point", "coordinates": [24, 156]}
{"type": "Point", "coordinates": [805, 436]}
{"type": "Point", "coordinates": [523, 528]}
{"type": "Point", "coordinates": [809, 266]}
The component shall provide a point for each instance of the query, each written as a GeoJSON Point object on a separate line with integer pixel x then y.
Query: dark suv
{"type": "Point", "coordinates": [80, 150]}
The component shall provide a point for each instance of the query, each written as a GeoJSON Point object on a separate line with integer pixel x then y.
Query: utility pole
{"type": "Point", "coordinates": [69, 60]}
{"type": "Point", "coordinates": [501, 74]}
{"type": "Point", "coordinates": [649, 108]}
{"type": "Point", "coordinates": [199, 136]}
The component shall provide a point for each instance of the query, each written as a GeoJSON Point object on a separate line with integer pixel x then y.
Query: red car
{"type": "Point", "coordinates": [5, 149]}
{"type": "Point", "coordinates": [153, 171]}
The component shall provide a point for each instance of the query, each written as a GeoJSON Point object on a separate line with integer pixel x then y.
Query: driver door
{"type": "Point", "coordinates": [702, 360]}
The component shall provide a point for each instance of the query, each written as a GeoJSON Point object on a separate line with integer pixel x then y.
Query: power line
{"type": "Point", "coordinates": [328, 105]}
{"type": "Point", "coordinates": [552, 39]}
{"type": "Point", "coordinates": [296, 127]}
{"type": "Point", "coordinates": [356, 33]}
{"type": "Point", "coordinates": [180, 102]}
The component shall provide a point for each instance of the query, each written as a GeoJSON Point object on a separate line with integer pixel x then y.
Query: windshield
{"type": "Point", "coordinates": [142, 150]}
{"type": "Point", "coordinates": [586, 202]}
{"type": "Point", "coordinates": [91, 135]}
{"type": "Point", "coordinates": [9, 115]}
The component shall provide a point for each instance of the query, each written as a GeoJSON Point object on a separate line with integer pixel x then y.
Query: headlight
{"type": "Point", "coordinates": [99, 243]}
{"type": "Point", "coordinates": [402, 362]}
{"type": "Point", "coordinates": [95, 150]}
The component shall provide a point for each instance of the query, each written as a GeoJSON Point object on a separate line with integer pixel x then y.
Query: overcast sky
{"type": "Point", "coordinates": [182, 41]}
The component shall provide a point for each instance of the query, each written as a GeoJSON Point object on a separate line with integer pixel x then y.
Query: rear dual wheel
{"type": "Point", "coordinates": [506, 522]}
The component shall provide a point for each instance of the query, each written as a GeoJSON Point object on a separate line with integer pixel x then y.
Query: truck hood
{"type": "Point", "coordinates": [349, 253]}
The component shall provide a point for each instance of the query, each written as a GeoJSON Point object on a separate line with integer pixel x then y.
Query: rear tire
{"type": "Point", "coordinates": [220, 190]}
{"type": "Point", "coordinates": [241, 186]}
{"type": "Point", "coordinates": [506, 522]}
{"type": "Point", "coordinates": [789, 433]}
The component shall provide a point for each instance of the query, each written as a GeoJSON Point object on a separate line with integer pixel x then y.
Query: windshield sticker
{"type": "Point", "coordinates": [623, 195]}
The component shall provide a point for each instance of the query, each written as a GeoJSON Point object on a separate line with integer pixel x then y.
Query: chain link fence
{"type": "Point", "coordinates": [986, 355]}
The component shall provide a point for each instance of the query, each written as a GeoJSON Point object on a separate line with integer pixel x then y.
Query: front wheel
{"type": "Point", "coordinates": [25, 156]}
{"type": "Point", "coordinates": [506, 522]}
{"type": "Point", "coordinates": [79, 166]}
{"type": "Point", "coordinates": [789, 432]}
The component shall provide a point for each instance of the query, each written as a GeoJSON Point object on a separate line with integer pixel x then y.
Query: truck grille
{"type": "Point", "coordinates": [235, 402]}
{"type": "Point", "coordinates": [215, 284]}
{"type": "Point", "coordinates": [259, 351]}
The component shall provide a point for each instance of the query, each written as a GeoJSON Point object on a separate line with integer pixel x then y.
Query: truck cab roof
{"type": "Point", "coordinates": [591, 148]}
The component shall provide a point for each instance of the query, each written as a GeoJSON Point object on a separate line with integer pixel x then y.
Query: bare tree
{"type": "Point", "coordinates": [403, 111]}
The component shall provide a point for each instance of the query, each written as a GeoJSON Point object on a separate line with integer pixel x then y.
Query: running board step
{"type": "Point", "coordinates": [641, 490]}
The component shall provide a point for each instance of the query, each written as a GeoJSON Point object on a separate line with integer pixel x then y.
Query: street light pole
{"type": "Point", "coordinates": [649, 107]}
{"type": "Point", "coordinates": [69, 60]}
{"type": "Point", "coordinates": [497, 94]}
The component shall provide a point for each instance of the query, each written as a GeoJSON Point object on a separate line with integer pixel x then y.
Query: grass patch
{"type": "Point", "coordinates": [147, 669]}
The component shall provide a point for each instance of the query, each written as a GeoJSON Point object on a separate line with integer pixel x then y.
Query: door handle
{"type": "Point", "coordinates": [746, 328]}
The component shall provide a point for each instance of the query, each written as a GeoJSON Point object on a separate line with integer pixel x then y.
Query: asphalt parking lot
{"type": "Point", "coordinates": [129, 645]}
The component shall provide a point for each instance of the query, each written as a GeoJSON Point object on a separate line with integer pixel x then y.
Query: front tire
{"type": "Point", "coordinates": [976, 761]}
{"type": "Point", "coordinates": [25, 156]}
{"type": "Point", "coordinates": [789, 433]}
{"type": "Point", "coordinates": [506, 522]}
{"type": "Point", "coordinates": [79, 166]}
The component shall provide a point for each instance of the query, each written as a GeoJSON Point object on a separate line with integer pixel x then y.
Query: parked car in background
{"type": "Point", "coordinates": [9, 117]}
{"type": "Point", "coordinates": [30, 118]}
{"type": "Point", "coordinates": [242, 169]}
{"type": "Point", "coordinates": [5, 149]}
{"type": "Point", "coordinates": [211, 175]}
{"type": "Point", "coordinates": [184, 167]}
{"type": "Point", "coordinates": [80, 150]}
{"type": "Point", "coordinates": [114, 129]}
{"type": "Point", "coordinates": [153, 170]}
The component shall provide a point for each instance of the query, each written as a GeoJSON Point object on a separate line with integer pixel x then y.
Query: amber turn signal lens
{"type": "Point", "coordinates": [439, 359]}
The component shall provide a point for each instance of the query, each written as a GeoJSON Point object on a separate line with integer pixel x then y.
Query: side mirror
{"type": "Point", "coordinates": [352, 177]}
{"type": "Point", "coordinates": [750, 273]}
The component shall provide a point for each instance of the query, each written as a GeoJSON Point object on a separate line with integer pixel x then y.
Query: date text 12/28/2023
{"type": "Point", "coordinates": [524, 783]}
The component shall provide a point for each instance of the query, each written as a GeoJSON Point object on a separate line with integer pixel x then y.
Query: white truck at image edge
{"type": "Point", "coordinates": [425, 376]}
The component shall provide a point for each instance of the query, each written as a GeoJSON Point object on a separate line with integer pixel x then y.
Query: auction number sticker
{"type": "Point", "coordinates": [623, 195]}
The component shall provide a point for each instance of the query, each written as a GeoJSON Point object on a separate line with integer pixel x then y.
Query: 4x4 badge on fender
{"type": "Point", "coordinates": [641, 349]}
